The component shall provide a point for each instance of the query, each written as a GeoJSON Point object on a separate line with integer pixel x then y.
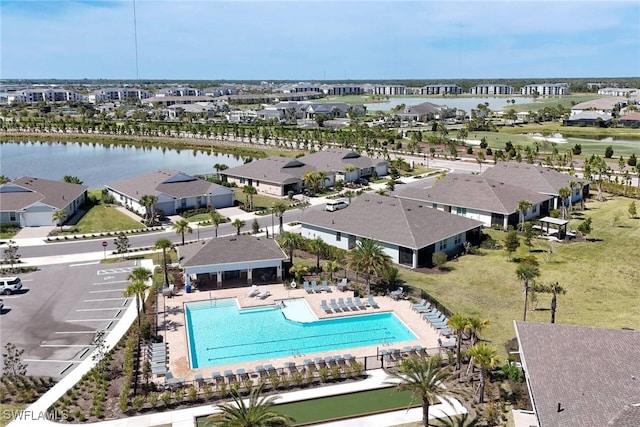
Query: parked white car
{"type": "Point", "coordinates": [9, 285]}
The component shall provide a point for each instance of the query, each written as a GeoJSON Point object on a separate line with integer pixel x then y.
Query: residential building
{"type": "Point", "coordinates": [32, 202]}
{"type": "Point", "coordinates": [333, 110]}
{"type": "Point", "coordinates": [408, 231]}
{"type": "Point", "coordinates": [232, 261]}
{"type": "Point", "coordinates": [202, 109]}
{"type": "Point", "coordinates": [617, 91]}
{"type": "Point", "coordinates": [631, 119]}
{"type": "Point", "coordinates": [342, 89]}
{"type": "Point", "coordinates": [491, 89]}
{"type": "Point", "coordinates": [580, 376]}
{"type": "Point", "coordinates": [423, 112]}
{"type": "Point", "coordinates": [168, 100]}
{"type": "Point", "coordinates": [440, 89]}
{"type": "Point", "coordinates": [279, 175]}
{"type": "Point", "coordinates": [491, 202]}
{"type": "Point", "coordinates": [391, 90]}
{"type": "Point", "coordinates": [589, 118]}
{"type": "Point", "coordinates": [175, 191]}
{"type": "Point", "coordinates": [179, 91]}
{"type": "Point", "coordinates": [540, 179]}
{"type": "Point", "coordinates": [117, 94]}
{"type": "Point", "coordinates": [219, 91]}
{"type": "Point", "coordinates": [33, 96]}
{"type": "Point", "coordinates": [545, 89]}
{"type": "Point", "coordinates": [602, 105]}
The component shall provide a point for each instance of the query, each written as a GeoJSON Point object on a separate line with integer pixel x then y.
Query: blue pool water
{"type": "Point", "coordinates": [219, 333]}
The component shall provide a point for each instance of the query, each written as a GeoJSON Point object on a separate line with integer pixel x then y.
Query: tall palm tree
{"type": "Point", "coordinates": [149, 201]}
{"type": "Point", "coordinates": [369, 259]}
{"type": "Point", "coordinates": [565, 194]}
{"type": "Point", "coordinates": [464, 420]}
{"type": "Point", "coordinates": [238, 224]}
{"type": "Point", "coordinates": [317, 247]}
{"type": "Point", "coordinates": [60, 216]}
{"type": "Point", "coordinates": [290, 242]}
{"type": "Point", "coordinates": [216, 219]}
{"type": "Point", "coordinates": [310, 179]}
{"type": "Point", "coordinates": [475, 326]}
{"type": "Point", "coordinates": [554, 289]}
{"type": "Point", "coordinates": [299, 270]}
{"type": "Point", "coordinates": [279, 208]}
{"type": "Point", "coordinates": [137, 286]}
{"type": "Point", "coordinates": [249, 191]}
{"type": "Point", "coordinates": [523, 207]}
{"type": "Point", "coordinates": [460, 324]}
{"type": "Point", "coordinates": [331, 267]}
{"type": "Point", "coordinates": [257, 412]}
{"type": "Point", "coordinates": [425, 379]}
{"type": "Point", "coordinates": [485, 358]}
{"type": "Point", "coordinates": [322, 179]}
{"type": "Point", "coordinates": [164, 244]}
{"type": "Point", "coordinates": [527, 273]}
{"type": "Point", "coordinates": [182, 226]}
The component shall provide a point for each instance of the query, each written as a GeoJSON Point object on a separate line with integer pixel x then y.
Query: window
{"type": "Point", "coordinates": [442, 245]}
{"type": "Point", "coordinates": [434, 206]}
{"type": "Point", "coordinates": [338, 236]}
{"type": "Point", "coordinates": [12, 216]}
{"type": "Point", "coordinates": [242, 180]}
{"type": "Point", "coordinates": [183, 203]}
{"type": "Point", "coordinates": [458, 239]}
{"type": "Point", "coordinates": [461, 211]}
{"type": "Point", "coordinates": [534, 209]}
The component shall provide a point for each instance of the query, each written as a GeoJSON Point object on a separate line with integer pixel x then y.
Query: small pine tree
{"type": "Point", "coordinates": [511, 242]}
{"type": "Point", "coordinates": [632, 210]}
{"type": "Point", "coordinates": [585, 226]}
{"type": "Point", "coordinates": [255, 227]}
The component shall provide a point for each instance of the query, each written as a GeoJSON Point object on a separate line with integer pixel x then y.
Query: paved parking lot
{"type": "Point", "coordinates": [56, 315]}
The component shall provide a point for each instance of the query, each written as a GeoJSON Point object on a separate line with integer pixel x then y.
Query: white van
{"type": "Point", "coordinates": [8, 285]}
{"type": "Point", "coordinates": [334, 205]}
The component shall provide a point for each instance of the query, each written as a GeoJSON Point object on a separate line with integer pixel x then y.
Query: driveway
{"type": "Point", "coordinates": [34, 232]}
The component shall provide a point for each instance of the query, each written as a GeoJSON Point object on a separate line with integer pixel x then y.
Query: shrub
{"type": "Point", "coordinates": [608, 152]}
{"type": "Point", "coordinates": [439, 259]}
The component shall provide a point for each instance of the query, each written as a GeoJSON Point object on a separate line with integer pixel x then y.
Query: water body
{"type": "Point", "coordinates": [97, 165]}
{"type": "Point", "coordinates": [461, 103]}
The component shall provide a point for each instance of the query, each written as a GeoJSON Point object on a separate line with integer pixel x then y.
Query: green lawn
{"type": "Point", "coordinates": [346, 405]}
{"type": "Point", "coordinates": [104, 218]}
{"type": "Point", "coordinates": [8, 411]}
{"type": "Point", "coordinates": [262, 202]}
{"type": "Point", "coordinates": [565, 101]}
{"type": "Point", "coordinates": [600, 277]}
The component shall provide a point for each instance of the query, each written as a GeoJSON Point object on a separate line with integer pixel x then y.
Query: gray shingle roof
{"type": "Point", "coordinates": [592, 373]}
{"type": "Point", "coordinates": [474, 192]}
{"type": "Point", "coordinates": [166, 181]}
{"type": "Point", "coordinates": [57, 194]}
{"type": "Point", "coordinates": [336, 159]}
{"type": "Point", "coordinates": [229, 250]}
{"type": "Point", "coordinates": [279, 170]}
{"type": "Point", "coordinates": [400, 222]}
{"type": "Point", "coordinates": [537, 178]}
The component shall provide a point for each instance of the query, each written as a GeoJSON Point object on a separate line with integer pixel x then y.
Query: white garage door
{"type": "Point", "coordinates": [35, 219]}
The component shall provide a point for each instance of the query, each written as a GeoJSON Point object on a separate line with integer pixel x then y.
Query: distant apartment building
{"type": "Point", "coordinates": [616, 91]}
{"type": "Point", "coordinates": [491, 89]}
{"type": "Point", "coordinates": [342, 89]}
{"type": "Point", "coordinates": [167, 101]}
{"type": "Point", "coordinates": [117, 94]}
{"type": "Point", "coordinates": [545, 89]}
{"type": "Point", "coordinates": [440, 89]}
{"type": "Point", "coordinates": [219, 91]}
{"type": "Point", "coordinates": [302, 87]}
{"type": "Point", "coordinates": [180, 91]}
{"type": "Point", "coordinates": [33, 96]}
{"type": "Point", "coordinates": [391, 90]}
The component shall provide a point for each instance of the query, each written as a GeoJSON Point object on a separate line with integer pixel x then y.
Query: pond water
{"type": "Point", "coordinates": [97, 165]}
{"type": "Point", "coordinates": [461, 103]}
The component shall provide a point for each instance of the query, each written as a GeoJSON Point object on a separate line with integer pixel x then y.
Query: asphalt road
{"type": "Point", "coordinates": [56, 315]}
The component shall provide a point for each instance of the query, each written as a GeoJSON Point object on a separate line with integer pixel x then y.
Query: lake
{"type": "Point", "coordinates": [97, 165]}
{"type": "Point", "coordinates": [461, 103]}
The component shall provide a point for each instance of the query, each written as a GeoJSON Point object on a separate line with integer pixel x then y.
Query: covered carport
{"type": "Point", "coordinates": [232, 261]}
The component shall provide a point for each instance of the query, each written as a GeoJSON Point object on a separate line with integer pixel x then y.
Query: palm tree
{"type": "Point", "coordinates": [459, 323]}
{"type": "Point", "coordinates": [527, 274]}
{"type": "Point", "coordinates": [317, 247]}
{"type": "Point", "coordinates": [485, 358]}
{"type": "Point", "coordinates": [523, 207]}
{"type": "Point", "coordinates": [475, 326]}
{"type": "Point", "coordinates": [182, 226]}
{"type": "Point", "coordinates": [368, 258]}
{"type": "Point", "coordinates": [249, 191]}
{"type": "Point", "coordinates": [257, 412]}
{"type": "Point", "coordinates": [424, 378]}
{"type": "Point", "coordinates": [216, 219]}
{"type": "Point", "coordinates": [299, 270]}
{"type": "Point", "coordinates": [279, 208]}
{"type": "Point", "coordinates": [60, 216]}
{"type": "Point", "coordinates": [564, 194]}
{"type": "Point", "coordinates": [238, 224]}
{"type": "Point", "coordinates": [349, 194]}
{"type": "Point", "coordinates": [164, 244]}
{"type": "Point", "coordinates": [554, 289]}
{"type": "Point", "coordinates": [464, 420]}
{"type": "Point", "coordinates": [290, 242]}
{"type": "Point", "coordinates": [310, 179]}
{"type": "Point", "coordinates": [149, 201]}
{"type": "Point", "coordinates": [137, 286]}
{"type": "Point", "coordinates": [331, 267]}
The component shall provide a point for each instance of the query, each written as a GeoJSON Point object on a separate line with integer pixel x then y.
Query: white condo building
{"type": "Point", "coordinates": [33, 96]}
{"type": "Point", "coordinates": [117, 94]}
{"type": "Point", "coordinates": [491, 89]}
{"type": "Point", "coordinates": [545, 89]}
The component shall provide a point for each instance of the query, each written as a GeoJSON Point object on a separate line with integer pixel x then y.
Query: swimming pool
{"type": "Point", "coordinates": [220, 333]}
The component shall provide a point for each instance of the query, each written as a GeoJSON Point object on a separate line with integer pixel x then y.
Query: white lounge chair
{"type": "Point", "coordinates": [253, 291]}
{"type": "Point", "coordinates": [263, 294]}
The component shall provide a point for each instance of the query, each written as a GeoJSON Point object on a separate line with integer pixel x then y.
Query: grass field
{"type": "Point", "coordinates": [346, 405]}
{"type": "Point", "coordinates": [103, 218]}
{"type": "Point", "coordinates": [565, 101]}
{"type": "Point", "coordinates": [600, 277]}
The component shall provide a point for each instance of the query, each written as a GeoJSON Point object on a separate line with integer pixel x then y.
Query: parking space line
{"type": "Point", "coordinates": [52, 360]}
{"type": "Point", "coordinates": [91, 320]}
{"type": "Point", "coordinates": [10, 296]}
{"type": "Point", "coordinates": [107, 290]}
{"type": "Point", "coordinates": [75, 332]}
{"type": "Point", "coordinates": [84, 263]}
{"type": "Point", "coordinates": [97, 309]}
{"type": "Point", "coordinates": [109, 283]}
{"type": "Point", "coordinates": [105, 299]}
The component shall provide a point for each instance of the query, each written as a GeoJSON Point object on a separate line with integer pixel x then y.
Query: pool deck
{"type": "Point", "coordinates": [176, 333]}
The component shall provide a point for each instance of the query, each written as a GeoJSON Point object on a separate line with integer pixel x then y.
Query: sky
{"type": "Point", "coordinates": [318, 40]}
